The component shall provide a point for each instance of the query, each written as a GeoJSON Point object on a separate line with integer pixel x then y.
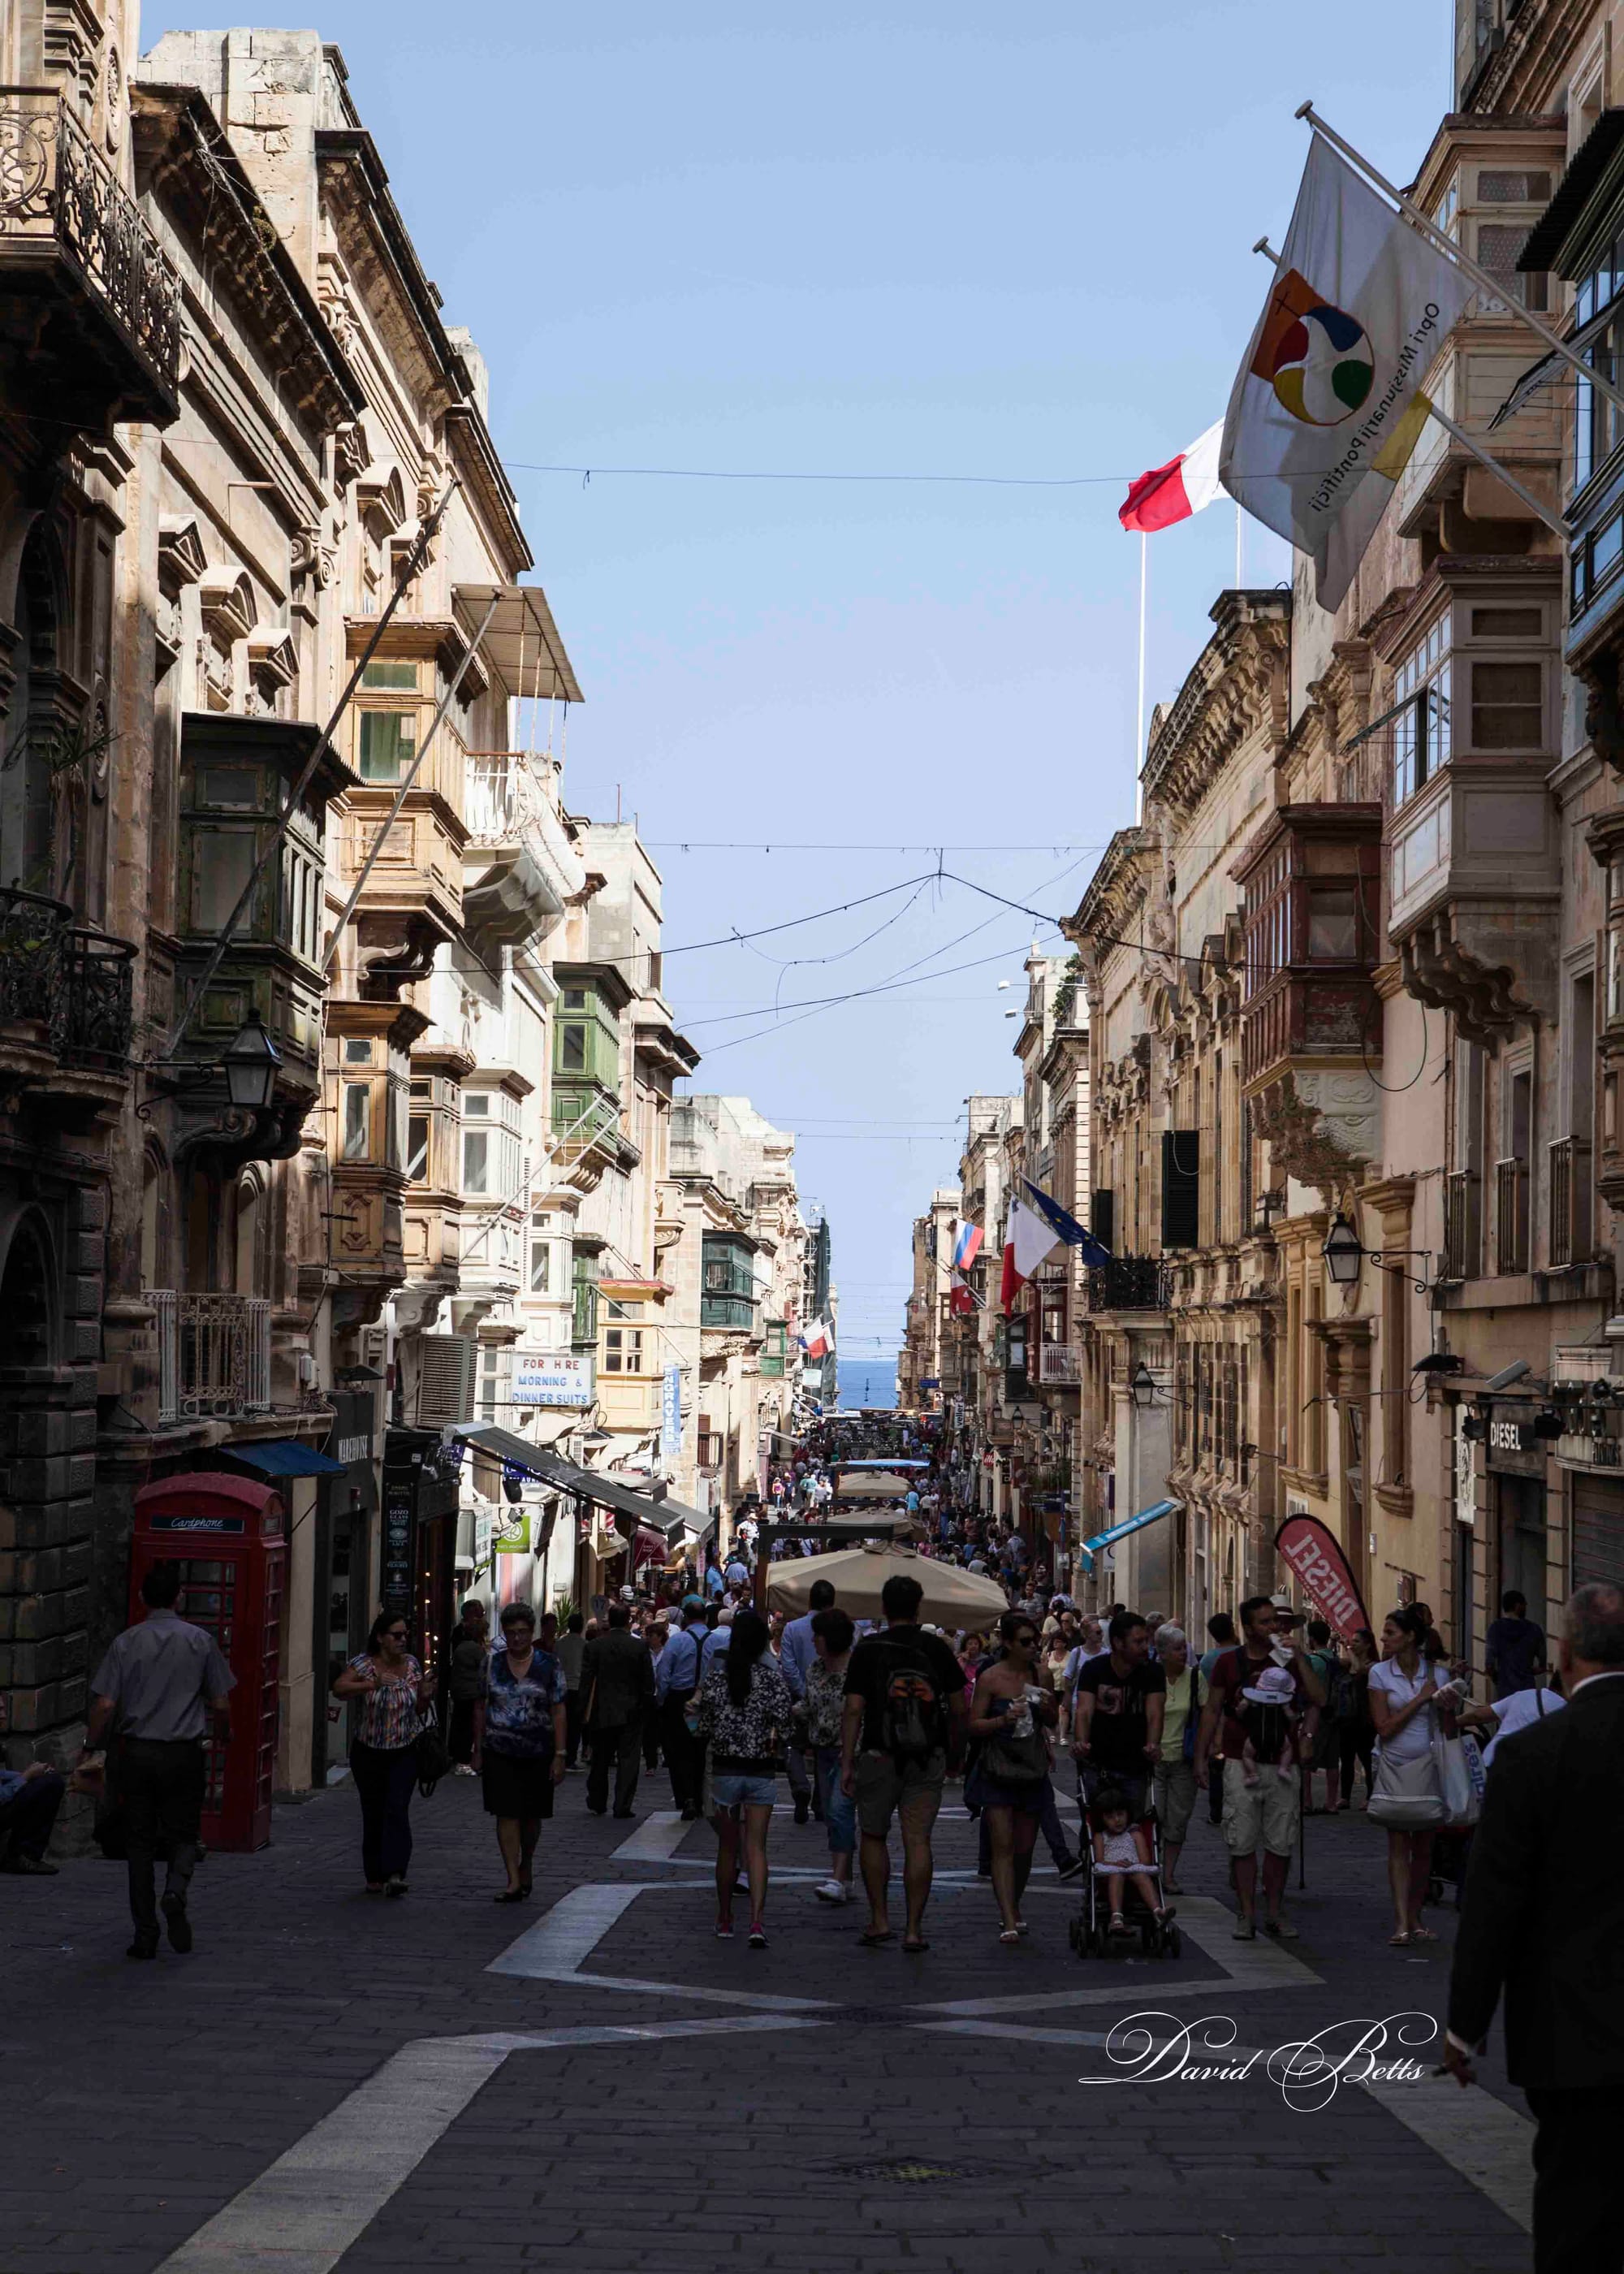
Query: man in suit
{"type": "Point", "coordinates": [1543, 1919]}
{"type": "Point", "coordinates": [617, 1690]}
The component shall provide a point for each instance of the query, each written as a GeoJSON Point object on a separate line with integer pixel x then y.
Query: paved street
{"type": "Point", "coordinates": [592, 2080]}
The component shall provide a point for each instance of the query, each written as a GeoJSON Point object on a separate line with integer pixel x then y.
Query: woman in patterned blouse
{"type": "Point", "coordinates": [390, 1686]}
{"type": "Point", "coordinates": [525, 1731]}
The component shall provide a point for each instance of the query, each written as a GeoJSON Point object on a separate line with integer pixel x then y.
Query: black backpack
{"type": "Point", "coordinates": [913, 1708]}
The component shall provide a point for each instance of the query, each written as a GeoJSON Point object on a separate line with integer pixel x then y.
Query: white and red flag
{"type": "Point", "coordinates": [1174, 492]}
{"type": "Point", "coordinates": [1027, 1239]}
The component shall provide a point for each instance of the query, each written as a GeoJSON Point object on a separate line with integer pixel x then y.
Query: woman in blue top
{"type": "Point", "coordinates": [524, 1743]}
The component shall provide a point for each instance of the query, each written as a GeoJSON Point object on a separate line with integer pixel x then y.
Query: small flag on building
{"type": "Point", "coordinates": [815, 1342]}
{"type": "Point", "coordinates": [967, 1246]}
{"type": "Point", "coordinates": [1172, 492]}
{"type": "Point", "coordinates": [961, 1302]}
{"type": "Point", "coordinates": [1065, 1226]}
{"type": "Point", "coordinates": [1027, 1239]}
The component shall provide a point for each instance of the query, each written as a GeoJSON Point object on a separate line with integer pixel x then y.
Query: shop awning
{"type": "Point", "coordinates": [1151, 1515]}
{"type": "Point", "coordinates": [608, 1492]}
{"type": "Point", "coordinates": [881, 1464]}
{"type": "Point", "coordinates": [675, 1516]}
{"type": "Point", "coordinates": [284, 1456]}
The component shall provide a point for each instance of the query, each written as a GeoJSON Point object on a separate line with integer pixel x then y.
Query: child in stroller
{"type": "Point", "coordinates": [1126, 1867]}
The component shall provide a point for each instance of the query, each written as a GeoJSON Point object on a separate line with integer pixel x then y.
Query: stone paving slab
{"type": "Point", "coordinates": [143, 2099]}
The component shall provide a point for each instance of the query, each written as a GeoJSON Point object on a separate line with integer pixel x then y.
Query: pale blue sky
{"type": "Point", "coordinates": [899, 239]}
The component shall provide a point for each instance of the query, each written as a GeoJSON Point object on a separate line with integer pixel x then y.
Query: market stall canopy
{"type": "Point", "coordinates": [1151, 1515]}
{"type": "Point", "coordinates": [878, 1482]}
{"type": "Point", "coordinates": [881, 1464]}
{"type": "Point", "coordinates": [953, 1597]}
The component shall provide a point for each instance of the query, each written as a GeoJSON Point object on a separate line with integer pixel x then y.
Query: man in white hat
{"type": "Point", "coordinates": [1266, 1813]}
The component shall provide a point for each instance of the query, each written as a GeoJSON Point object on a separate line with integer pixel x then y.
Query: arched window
{"type": "Point", "coordinates": [252, 1234]}
{"type": "Point", "coordinates": [25, 1299]}
{"type": "Point", "coordinates": [155, 1220]}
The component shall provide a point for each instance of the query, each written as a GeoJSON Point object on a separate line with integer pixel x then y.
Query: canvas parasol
{"type": "Point", "coordinates": [953, 1597]}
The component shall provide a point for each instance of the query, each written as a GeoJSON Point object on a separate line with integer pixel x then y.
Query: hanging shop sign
{"type": "Point", "coordinates": [551, 1378]}
{"type": "Point", "coordinates": [1513, 1448]}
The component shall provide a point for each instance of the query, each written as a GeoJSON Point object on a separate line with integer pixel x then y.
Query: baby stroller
{"type": "Point", "coordinates": [1089, 1933]}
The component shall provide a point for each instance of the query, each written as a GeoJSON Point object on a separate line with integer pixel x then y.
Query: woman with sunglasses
{"type": "Point", "coordinates": [1011, 1714]}
{"type": "Point", "coordinates": [390, 1686]}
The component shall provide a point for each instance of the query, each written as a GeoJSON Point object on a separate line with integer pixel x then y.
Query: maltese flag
{"type": "Point", "coordinates": [1027, 1240]}
{"type": "Point", "coordinates": [1174, 492]}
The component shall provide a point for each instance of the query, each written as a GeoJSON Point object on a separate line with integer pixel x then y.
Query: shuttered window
{"type": "Point", "coordinates": [1181, 1188]}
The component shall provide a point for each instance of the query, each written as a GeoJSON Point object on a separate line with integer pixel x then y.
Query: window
{"type": "Point", "coordinates": [476, 1161]}
{"type": "Point", "coordinates": [1506, 623]}
{"type": "Point", "coordinates": [622, 1350]}
{"type": "Point", "coordinates": [620, 1310]}
{"type": "Point", "coordinates": [541, 1265]}
{"type": "Point", "coordinates": [572, 1048]}
{"type": "Point", "coordinates": [1508, 706]}
{"type": "Point", "coordinates": [388, 744]}
{"type": "Point", "coordinates": [1500, 244]}
{"type": "Point", "coordinates": [230, 786]}
{"type": "Point", "coordinates": [1447, 212]}
{"type": "Point", "coordinates": [1498, 186]}
{"type": "Point", "coordinates": [221, 864]}
{"type": "Point", "coordinates": [357, 1121]}
{"type": "Point", "coordinates": [396, 678]}
{"type": "Point", "coordinates": [417, 1147]}
{"type": "Point", "coordinates": [1421, 731]}
{"type": "Point", "coordinates": [357, 1051]}
{"type": "Point", "coordinates": [1333, 924]}
{"type": "Point", "coordinates": [574, 998]}
{"type": "Point", "coordinates": [475, 1105]}
{"type": "Point", "coordinates": [583, 1326]}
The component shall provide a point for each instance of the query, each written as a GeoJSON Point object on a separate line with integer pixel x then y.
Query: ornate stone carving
{"type": "Point", "coordinates": [1440, 969]}
{"type": "Point", "coordinates": [396, 949]}
{"type": "Point", "coordinates": [1318, 1131]}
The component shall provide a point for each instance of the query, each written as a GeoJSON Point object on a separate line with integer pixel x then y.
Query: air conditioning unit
{"type": "Point", "coordinates": [446, 1379]}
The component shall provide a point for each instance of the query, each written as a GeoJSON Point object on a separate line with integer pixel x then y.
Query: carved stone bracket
{"type": "Point", "coordinates": [1347, 1343]}
{"type": "Point", "coordinates": [395, 950]}
{"type": "Point", "coordinates": [1321, 1128]}
{"type": "Point", "coordinates": [1440, 967]}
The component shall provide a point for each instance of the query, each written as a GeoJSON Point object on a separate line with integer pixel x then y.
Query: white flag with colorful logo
{"type": "Point", "coordinates": [1327, 405]}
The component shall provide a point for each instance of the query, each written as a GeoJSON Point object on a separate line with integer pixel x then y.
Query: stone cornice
{"type": "Point", "coordinates": [1239, 687]}
{"type": "Point", "coordinates": [1117, 891]}
{"type": "Point", "coordinates": [197, 182]}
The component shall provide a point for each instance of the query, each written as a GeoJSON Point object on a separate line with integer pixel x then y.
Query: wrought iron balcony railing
{"type": "Point", "coordinates": [62, 207]}
{"type": "Point", "coordinates": [1511, 1215]}
{"type": "Point", "coordinates": [1570, 1202]}
{"type": "Point", "coordinates": [214, 1356]}
{"type": "Point", "coordinates": [73, 987]}
{"type": "Point", "coordinates": [1461, 1224]}
{"type": "Point", "coordinates": [1128, 1282]}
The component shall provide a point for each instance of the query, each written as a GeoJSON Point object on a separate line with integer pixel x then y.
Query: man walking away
{"type": "Point", "coordinates": [1514, 1647]}
{"type": "Point", "coordinates": [158, 1683]}
{"type": "Point", "coordinates": [471, 1659]}
{"type": "Point", "coordinates": [569, 1651]}
{"type": "Point", "coordinates": [676, 1682]}
{"type": "Point", "coordinates": [905, 1700]}
{"type": "Point", "coordinates": [1542, 1919]}
{"type": "Point", "coordinates": [797, 1653]}
{"type": "Point", "coordinates": [1269, 1811]}
{"type": "Point", "coordinates": [617, 1690]}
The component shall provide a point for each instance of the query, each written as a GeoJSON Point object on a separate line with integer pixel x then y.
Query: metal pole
{"type": "Point", "coordinates": [393, 816]}
{"type": "Point", "coordinates": [1138, 739]}
{"type": "Point", "coordinates": [1494, 286]}
{"type": "Point", "coordinates": [218, 954]}
{"type": "Point", "coordinates": [1551, 519]}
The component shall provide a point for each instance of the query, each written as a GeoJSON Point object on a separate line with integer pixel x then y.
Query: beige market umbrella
{"type": "Point", "coordinates": [953, 1596]}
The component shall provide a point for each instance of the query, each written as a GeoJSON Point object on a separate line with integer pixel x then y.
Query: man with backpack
{"type": "Point", "coordinates": [904, 1726]}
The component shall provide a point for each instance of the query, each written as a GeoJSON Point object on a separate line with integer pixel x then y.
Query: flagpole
{"type": "Point", "coordinates": [1551, 519]}
{"type": "Point", "coordinates": [1495, 287]}
{"type": "Point", "coordinates": [1139, 741]}
{"type": "Point", "coordinates": [1240, 547]}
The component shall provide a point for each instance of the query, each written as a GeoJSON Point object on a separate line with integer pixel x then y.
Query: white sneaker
{"type": "Point", "coordinates": [464, 1769]}
{"type": "Point", "coordinates": [832, 1891]}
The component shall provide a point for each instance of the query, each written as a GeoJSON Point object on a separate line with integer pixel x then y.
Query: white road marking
{"type": "Point", "coordinates": [656, 1840]}
{"type": "Point", "coordinates": [302, 2214]}
{"type": "Point", "coordinates": [556, 1947]}
{"type": "Point", "coordinates": [1488, 2144]}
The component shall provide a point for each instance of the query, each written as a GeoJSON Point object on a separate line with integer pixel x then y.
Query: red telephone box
{"type": "Point", "coordinates": [227, 1534]}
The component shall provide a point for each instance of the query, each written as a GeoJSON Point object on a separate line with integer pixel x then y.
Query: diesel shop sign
{"type": "Point", "coordinates": [1513, 1448]}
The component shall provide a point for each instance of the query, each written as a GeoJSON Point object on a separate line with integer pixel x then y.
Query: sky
{"type": "Point", "coordinates": [908, 240]}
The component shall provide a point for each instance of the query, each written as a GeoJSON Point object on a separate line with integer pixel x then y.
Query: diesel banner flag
{"type": "Point", "coordinates": [1314, 1555]}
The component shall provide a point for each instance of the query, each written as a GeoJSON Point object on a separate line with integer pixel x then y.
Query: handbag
{"type": "Point", "coordinates": [1462, 1791]}
{"type": "Point", "coordinates": [1407, 1795]}
{"type": "Point", "coordinates": [433, 1754]}
{"type": "Point", "coordinates": [1014, 1759]}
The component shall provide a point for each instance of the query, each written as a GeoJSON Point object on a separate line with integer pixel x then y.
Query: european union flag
{"type": "Point", "coordinates": [1066, 1227]}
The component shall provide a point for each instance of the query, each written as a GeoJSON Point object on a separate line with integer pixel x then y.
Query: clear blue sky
{"type": "Point", "coordinates": [908, 239]}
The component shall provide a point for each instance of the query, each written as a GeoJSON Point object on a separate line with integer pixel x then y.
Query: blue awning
{"type": "Point", "coordinates": [284, 1456]}
{"type": "Point", "coordinates": [1150, 1515]}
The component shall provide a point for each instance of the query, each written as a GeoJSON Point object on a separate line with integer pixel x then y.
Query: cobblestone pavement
{"type": "Point", "coordinates": [332, 2081]}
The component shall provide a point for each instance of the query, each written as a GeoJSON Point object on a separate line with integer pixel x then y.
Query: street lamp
{"type": "Point", "coordinates": [250, 1059]}
{"type": "Point", "coordinates": [1344, 1253]}
{"type": "Point", "coordinates": [1142, 1386]}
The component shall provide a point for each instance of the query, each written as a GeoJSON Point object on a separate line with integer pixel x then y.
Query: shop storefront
{"type": "Point", "coordinates": [1516, 1465]}
{"type": "Point", "coordinates": [1597, 1532]}
{"type": "Point", "coordinates": [346, 1514]}
{"type": "Point", "coordinates": [417, 1557]}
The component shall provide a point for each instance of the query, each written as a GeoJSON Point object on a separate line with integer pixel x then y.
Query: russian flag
{"type": "Point", "coordinates": [1174, 492]}
{"type": "Point", "coordinates": [967, 1247]}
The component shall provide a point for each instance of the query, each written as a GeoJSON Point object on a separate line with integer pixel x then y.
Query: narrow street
{"type": "Point", "coordinates": [592, 2081]}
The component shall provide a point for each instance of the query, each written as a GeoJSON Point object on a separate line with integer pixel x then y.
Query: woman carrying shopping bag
{"type": "Point", "coordinates": [1411, 1712]}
